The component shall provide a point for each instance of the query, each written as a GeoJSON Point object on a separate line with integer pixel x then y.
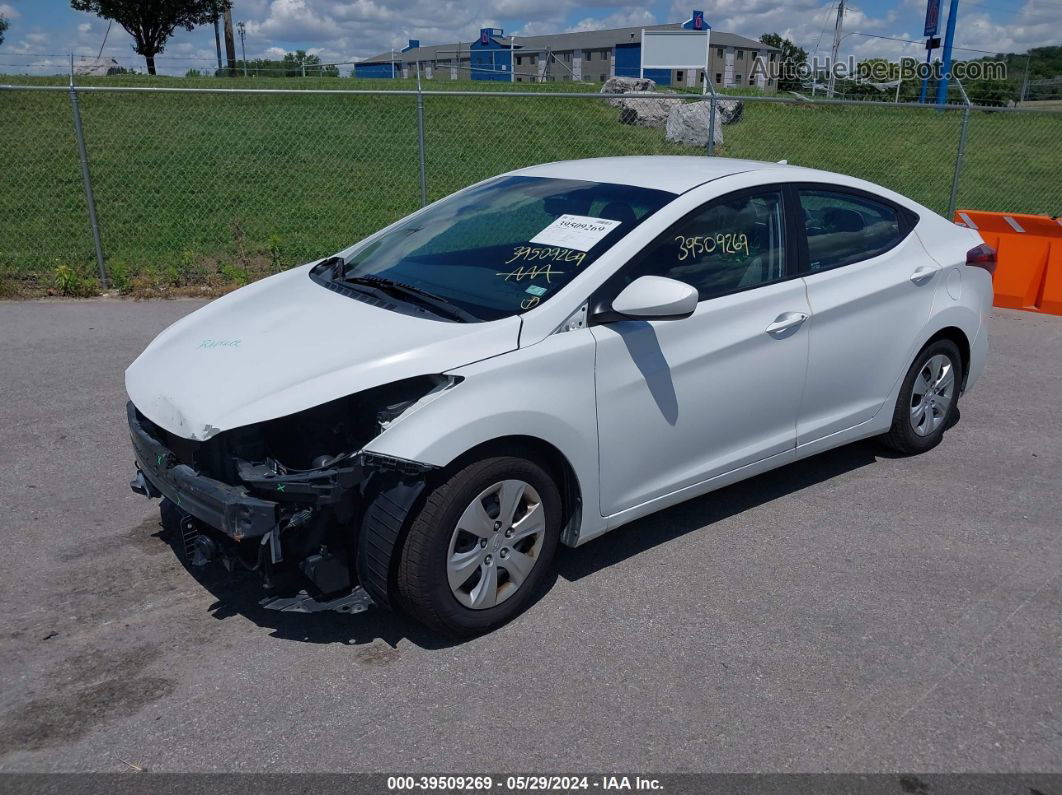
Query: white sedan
{"type": "Point", "coordinates": [539, 358]}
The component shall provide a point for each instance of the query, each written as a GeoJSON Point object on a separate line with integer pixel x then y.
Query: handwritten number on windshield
{"type": "Point", "coordinates": [552, 254]}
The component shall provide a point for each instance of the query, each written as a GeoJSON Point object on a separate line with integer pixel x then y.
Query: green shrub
{"type": "Point", "coordinates": [120, 274]}
{"type": "Point", "coordinates": [193, 270]}
{"type": "Point", "coordinates": [146, 280]}
{"type": "Point", "coordinates": [232, 274]}
{"type": "Point", "coordinates": [172, 275]}
{"type": "Point", "coordinates": [276, 255]}
{"type": "Point", "coordinates": [68, 281]}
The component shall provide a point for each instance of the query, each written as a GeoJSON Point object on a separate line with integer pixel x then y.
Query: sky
{"type": "Point", "coordinates": [42, 32]}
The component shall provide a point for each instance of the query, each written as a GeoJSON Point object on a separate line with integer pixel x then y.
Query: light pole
{"type": "Point", "coordinates": [242, 30]}
{"type": "Point", "coordinates": [945, 67]}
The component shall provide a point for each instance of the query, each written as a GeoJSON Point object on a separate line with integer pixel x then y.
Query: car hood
{"type": "Point", "coordinates": [285, 344]}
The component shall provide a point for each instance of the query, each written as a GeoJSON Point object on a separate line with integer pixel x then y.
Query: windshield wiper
{"type": "Point", "coordinates": [435, 302]}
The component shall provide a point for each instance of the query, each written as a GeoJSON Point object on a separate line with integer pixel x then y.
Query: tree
{"type": "Point", "coordinates": [296, 61]}
{"type": "Point", "coordinates": [152, 22]}
{"type": "Point", "coordinates": [3, 27]}
{"type": "Point", "coordinates": [290, 66]}
{"type": "Point", "coordinates": [793, 59]}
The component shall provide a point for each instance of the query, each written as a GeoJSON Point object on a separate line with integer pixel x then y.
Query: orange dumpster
{"type": "Point", "coordinates": [1029, 253]}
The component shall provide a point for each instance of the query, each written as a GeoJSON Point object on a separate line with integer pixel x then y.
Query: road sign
{"type": "Point", "coordinates": [675, 49]}
{"type": "Point", "coordinates": [932, 18]}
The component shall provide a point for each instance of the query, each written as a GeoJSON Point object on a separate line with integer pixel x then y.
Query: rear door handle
{"type": "Point", "coordinates": [923, 274]}
{"type": "Point", "coordinates": [785, 322]}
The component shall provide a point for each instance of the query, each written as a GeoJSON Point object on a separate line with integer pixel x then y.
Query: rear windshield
{"type": "Point", "coordinates": [505, 246]}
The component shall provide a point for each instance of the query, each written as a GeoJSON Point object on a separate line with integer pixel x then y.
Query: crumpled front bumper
{"type": "Point", "coordinates": [367, 493]}
{"type": "Point", "coordinates": [230, 509]}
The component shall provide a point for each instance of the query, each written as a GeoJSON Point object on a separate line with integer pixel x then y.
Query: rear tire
{"type": "Point", "coordinates": [928, 403]}
{"type": "Point", "coordinates": [481, 546]}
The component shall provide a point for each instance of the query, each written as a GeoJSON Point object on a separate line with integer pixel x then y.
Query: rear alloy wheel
{"type": "Point", "coordinates": [928, 401]}
{"type": "Point", "coordinates": [932, 395]}
{"type": "Point", "coordinates": [481, 545]}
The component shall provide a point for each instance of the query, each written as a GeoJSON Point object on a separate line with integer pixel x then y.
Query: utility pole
{"type": "Point", "coordinates": [838, 25]}
{"type": "Point", "coordinates": [230, 43]}
{"type": "Point", "coordinates": [945, 66]}
{"type": "Point", "coordinates": [242, 30]}
{"type": "Point", "coordinates": [217, 39]}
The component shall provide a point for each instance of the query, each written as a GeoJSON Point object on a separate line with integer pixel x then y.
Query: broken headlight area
{"type": "Point", "coordinates": [282, 498]}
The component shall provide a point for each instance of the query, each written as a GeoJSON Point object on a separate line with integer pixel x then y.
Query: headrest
{"type": "Point", "coordinates": [567, 205]}
{"type": "Point", "coordinates": [619, 211]}
{"type": "Point", "coordinates": [841, 220]}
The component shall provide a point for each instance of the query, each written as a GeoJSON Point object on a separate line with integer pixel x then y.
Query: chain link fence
{"type": "Point", "coordinates": [195, 185]}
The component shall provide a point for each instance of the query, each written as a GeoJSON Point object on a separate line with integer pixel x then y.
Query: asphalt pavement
{"type": "Point", "coordinates": [853, 612]}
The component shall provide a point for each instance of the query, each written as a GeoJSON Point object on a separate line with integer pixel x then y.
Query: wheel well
{"type": "Point", "coordinates": [958, 336]}
{"type": "Point", "coordinates": [544, 454]}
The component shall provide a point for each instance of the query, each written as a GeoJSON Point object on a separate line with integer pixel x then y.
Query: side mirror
{"type": "Point", "coordinates": [655, 298]}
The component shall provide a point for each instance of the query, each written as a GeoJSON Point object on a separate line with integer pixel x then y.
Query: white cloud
{"type": "Point", "coordinates": [1035, 25]}
{"type": "Point", "coordinates": [619, 19]}
{"type": "Point", "coordinates": [348, 30]}
{"type": "Point", "coordinates": [809, 23]}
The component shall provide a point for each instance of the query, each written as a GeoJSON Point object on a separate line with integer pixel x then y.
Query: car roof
{"type": "Point", "coordinates": [673, 173]}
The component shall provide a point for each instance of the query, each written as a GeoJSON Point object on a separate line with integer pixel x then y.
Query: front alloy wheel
{"type": "Point", "coordinates": [480, 546]}
{"type": "Point", "coordinates": [496, 544]}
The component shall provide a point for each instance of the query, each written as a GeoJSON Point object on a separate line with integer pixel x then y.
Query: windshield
{"type": "Point", "coordinates": [502, 247]}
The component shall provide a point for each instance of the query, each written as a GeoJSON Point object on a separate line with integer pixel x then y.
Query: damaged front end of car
{"type": "Point", "coordinates": [296, 499]}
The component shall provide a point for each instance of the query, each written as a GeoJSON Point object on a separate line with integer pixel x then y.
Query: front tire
{"type": "Point", "coordinates": [481, 546]}
{"type": "Point", "coordinates": [928, 403]}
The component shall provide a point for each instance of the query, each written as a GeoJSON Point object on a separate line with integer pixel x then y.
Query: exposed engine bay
{"type": "Point", "coordinates": [288, 498]}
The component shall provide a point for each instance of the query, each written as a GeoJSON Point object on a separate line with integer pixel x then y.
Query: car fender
{"type": "Point", "coordinates": [545, 391]}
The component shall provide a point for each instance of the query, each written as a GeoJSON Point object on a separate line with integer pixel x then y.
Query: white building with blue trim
{"type": "Point", "coordinates": [587, 56]}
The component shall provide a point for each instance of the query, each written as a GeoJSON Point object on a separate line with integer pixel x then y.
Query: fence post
{"type": "Point", "coordinates": [711, 125]}
{"type": "Point", "coordinates": [958, 162]}
{"type": "Point", "coordinates": [711, 113]}
{"type": "Point", "coordinates": [90, 199]}
{"type": "Point", "coordinates": [420, 141]}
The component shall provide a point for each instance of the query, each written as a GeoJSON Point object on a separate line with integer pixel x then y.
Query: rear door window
{"type": "Point", "coordinates": [843, 228]}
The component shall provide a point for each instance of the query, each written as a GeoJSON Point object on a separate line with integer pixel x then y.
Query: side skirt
{"type": "Point", "coordinates": [862, 431]}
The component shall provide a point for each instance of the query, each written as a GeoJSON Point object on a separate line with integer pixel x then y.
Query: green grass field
{"type": "Point", "coordinates": [208, 188]}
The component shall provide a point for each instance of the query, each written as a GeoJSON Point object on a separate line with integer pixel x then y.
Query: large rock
{"type": "Point", "coordinates": [626, 85]}
{"type": "Point", "coordinates": [688, 124]}
{"type": "Point", "coordinates": [645, 111]}
{"type": "Point", "coordinates": [731, 110]}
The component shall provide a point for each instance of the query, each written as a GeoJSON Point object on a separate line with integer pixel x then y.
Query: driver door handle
{"type": "Point", "coordinates": [785, 322]}
{"type": "Point", "coordinates": [923, 274]}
